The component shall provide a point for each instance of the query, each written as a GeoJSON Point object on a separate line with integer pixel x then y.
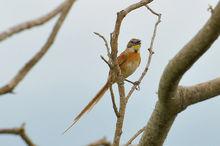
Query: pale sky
{"type": "Point", "coordinates": [71, 73]}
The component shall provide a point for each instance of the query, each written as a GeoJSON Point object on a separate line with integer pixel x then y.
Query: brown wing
{"type": "Point", "coordinates": [122, 58]}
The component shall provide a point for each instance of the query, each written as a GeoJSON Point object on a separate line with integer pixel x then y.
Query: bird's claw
{"type": "Point", "coordinates": [137, 85]}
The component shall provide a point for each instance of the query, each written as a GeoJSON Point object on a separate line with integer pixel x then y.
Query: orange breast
{"type": "Point", "coordinates": [131, 63]}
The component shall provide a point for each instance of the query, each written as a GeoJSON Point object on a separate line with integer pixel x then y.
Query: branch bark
{"type": "Point", "coordinates": [150, 50]}
{"type": "Point", "coordinates": [135, 136]}
{"type": "Point", "coordinates": [200, 92]}
{"type": "Point", "coordinates": [187, 56]}
{"type": "Point", "coordinates": [158, 126]}
{"type": "Point", "coordinates": [174, 98]}
{"type": "Point", "coordinates": [32, 23]}
{"type": "Point", "coordinates": [8, 88]}
{"type": "Point", "coordinates": [120, 81]}
{"type": "Point", "coordinates": [18, 131]}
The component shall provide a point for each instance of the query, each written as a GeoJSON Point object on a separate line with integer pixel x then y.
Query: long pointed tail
{"type": "Point", "coordinates": [90, 105]}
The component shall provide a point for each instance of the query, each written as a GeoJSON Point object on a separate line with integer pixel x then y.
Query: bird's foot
{"type": "Point", "coordinates": [136, 84]}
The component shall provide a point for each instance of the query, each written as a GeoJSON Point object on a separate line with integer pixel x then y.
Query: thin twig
{"type": "Point", "coordinates": [120, 80]}
{"type": "Point", "coordinates": [109, 65]}
{"type": "Point", "coordinates": [135, 136]}
{"type": "Point", "coordinates": [134, 83]}
{"type": "Point", "coordinates": [32, 23]}
{"type": "Point", "coordinates": [210, 9]}
{"type": "Point", "coordinates": [106, 43]}
{"type": "Point", "coordinates": [113, 102]}
{"type": "Point", "coordinates": [150, 49]}
{"type": "Point", "coordinates": [35, 59]}
{"type": "Point", "coordinates": [18, 131]}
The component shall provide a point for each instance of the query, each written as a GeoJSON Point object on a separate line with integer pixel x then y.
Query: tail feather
{"type": "Point", "coordinates": [90, 105]}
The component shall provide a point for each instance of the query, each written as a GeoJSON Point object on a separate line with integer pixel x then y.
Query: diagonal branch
{"type": "Point", "coordinates": [190, 53]}
{"type": "Point", "coordinates": [135, 136]}
{"type": "Point", "coordinates": [113, 102]}
{"type": "Point", "coordinates": [35, 59]}
{"type": "Point", "coordinates": [166, 109]}
{"type": "Point", "coordinates": [18, 131]}
{"type": "Point", "coordinates": [106, 43]}
{"type": "Point", "coordinates": [32, 23]}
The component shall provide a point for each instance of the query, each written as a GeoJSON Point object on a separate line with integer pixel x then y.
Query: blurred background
{"type": "Point", "coordinates": [71, 73]}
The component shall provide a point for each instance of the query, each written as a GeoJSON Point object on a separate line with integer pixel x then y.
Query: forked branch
{"type": "Point", "coordinates": [172, 97]}
{"type": "Point", "coordinates": [120, 81]}
{"type": "Point", "coordinates": [8, 88]}
{"type": "Point", "coordinates": [20, 131]}
{"type": "Point", "coordinates": [188, 55]}
{"type": "Point", "coordinates": [32, 23]}
{"type": "Point", "coordinates": [150, 50]}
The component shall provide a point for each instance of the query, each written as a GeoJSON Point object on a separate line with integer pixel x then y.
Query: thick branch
{"type": "Point", "coordinates": [30, 64]}
{"type": "Point", "coordinates": [167, 108]}
{"type": "Point", "coordinates": [18, 131]}
{"type": "Point", "coordinates": [157, 127]}
{"type": "Point", "coordinates": [199, 92]}
{"type": "Point", "coordinates": [31, 23]}
{"type": "Point", "coordinates": [190, 53]}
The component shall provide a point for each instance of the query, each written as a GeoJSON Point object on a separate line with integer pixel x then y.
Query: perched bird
{"type": "Point", "coordinates": [128, 62]}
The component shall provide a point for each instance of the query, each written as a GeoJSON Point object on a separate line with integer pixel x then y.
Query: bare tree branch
{"type": "Point", "coordinates": [18, 131]}
{"type": "Point", "coordinates": [106, 43]}
{"type": "Point", "coordinates": [120, 80]}
{"type": "Point", "coordinates": [135, 136]}
{"type": "Point", "coordinates": [169, 103]}
{"type": "Point", "coordinates": [32, 23]}
{"type": "Point", "coordinates": [108, 63]}
{"type": "Point", "coordinates": [190, 53]}
{"type": "Point", "coordinates": [30, 64]}
{"type": "Point", "coordinates": [158, 126]}
{"type": "Point", "coordinates": [200, 92]}
{"type": "Point", "coordinates": [150, 49]}
{"type": "Point", "coordinates": [120, 16]}
{"type": "Point", "coordinates": [113, 102]}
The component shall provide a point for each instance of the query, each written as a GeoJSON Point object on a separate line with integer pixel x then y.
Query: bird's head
{"type": "Point", "coordinates": [134, 44]}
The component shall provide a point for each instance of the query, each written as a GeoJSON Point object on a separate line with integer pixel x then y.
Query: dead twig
{"type": "Point", "coordinates": [120, 80]}
{"type": "Point", "coordinates": [106, 43]}
{"type": "Point", "coordinates": [8, 88]}
{"type": "Point", "coordinates": [109, 65]}
{"type": "Point", "coordinates": [135, 136]}
{"type": "Point", "coordinates": [20, 131]}
{"type": "Point", "coordinates": [150, 49]}
{"type": "Point", "coordinates": [32, 23]}
{"type": "Point", "coordinates": [113, 102]}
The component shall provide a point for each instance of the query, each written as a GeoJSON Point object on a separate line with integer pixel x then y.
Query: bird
{"type": "Point", "coordinates": [128, 61]}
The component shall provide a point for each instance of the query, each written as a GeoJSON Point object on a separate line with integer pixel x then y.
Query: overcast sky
{"type": "Point", "coordinates": [71, 73]}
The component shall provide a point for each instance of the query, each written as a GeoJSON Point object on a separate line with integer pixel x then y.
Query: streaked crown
{"type": "Point", "coordinates": [133, 42]}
